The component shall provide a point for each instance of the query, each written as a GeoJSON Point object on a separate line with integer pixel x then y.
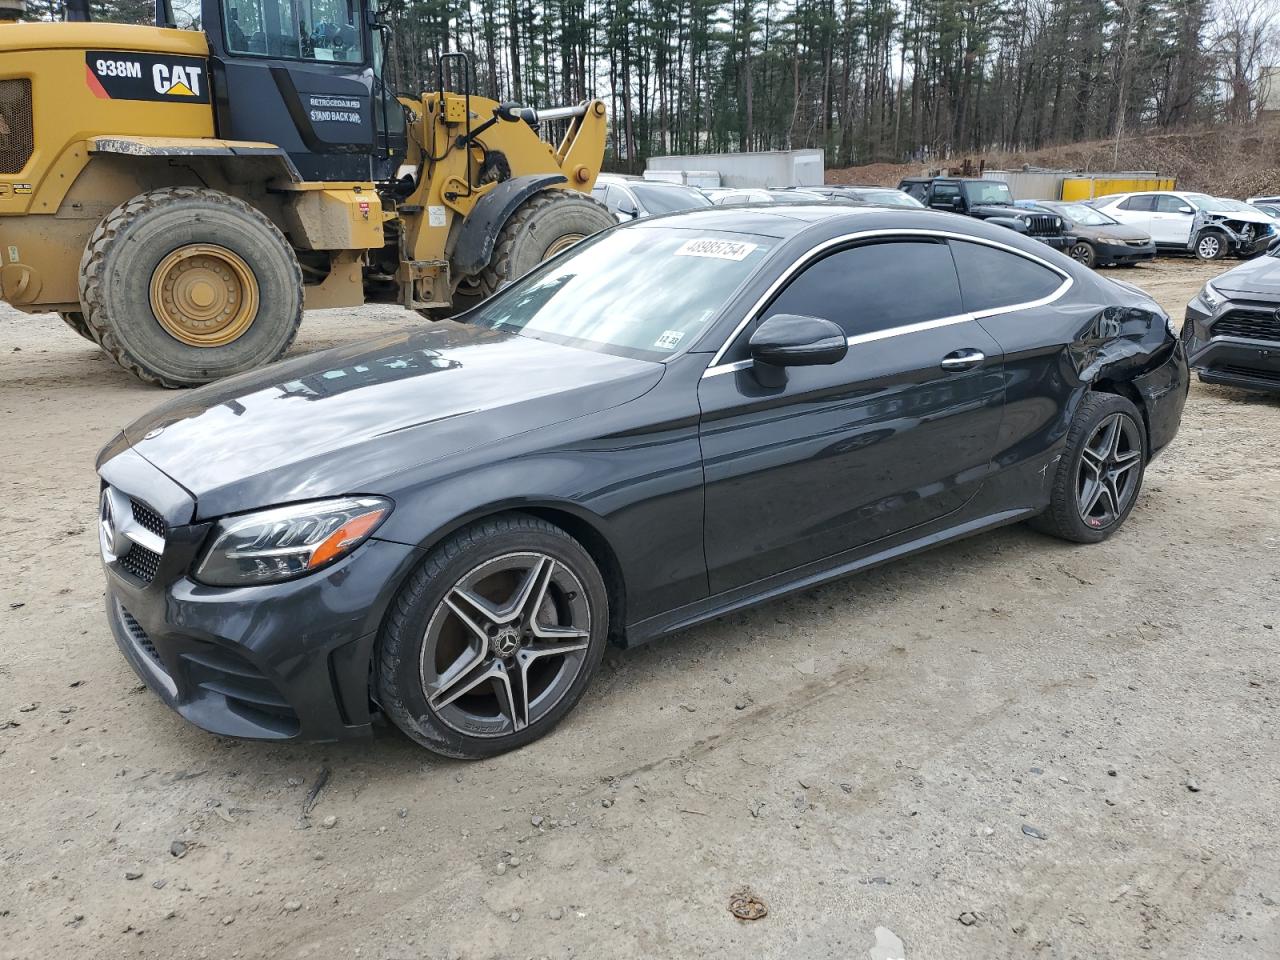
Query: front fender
{"type": "Point", "coordinates": [473, 248]}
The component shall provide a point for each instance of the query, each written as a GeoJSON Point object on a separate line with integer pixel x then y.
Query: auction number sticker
{"type": "Point", "coordinates": [716, 249]}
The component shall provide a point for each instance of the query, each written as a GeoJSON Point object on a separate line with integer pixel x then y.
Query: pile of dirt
{"type": "Point", "coordinates": [1229, 161]}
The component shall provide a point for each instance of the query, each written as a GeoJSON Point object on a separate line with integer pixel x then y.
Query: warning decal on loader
{"type": "Point", "coordinates": [115, 75]}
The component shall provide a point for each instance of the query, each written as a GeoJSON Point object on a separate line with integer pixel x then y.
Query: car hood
{"type": "Point", "coordinates": [1120, 231]}
{"type": "Point", "coordinates": [1244, 216]}
{"type": "Point", "coordinates": [348, 420]}
{"type": "Point", "coordinates": [1260, 276]}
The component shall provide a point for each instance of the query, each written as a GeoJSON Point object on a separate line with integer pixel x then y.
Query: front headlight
{"type": "Point", "coordinates": [1210, 296]}
{"type": "Point", "coordinates": [286, 542]}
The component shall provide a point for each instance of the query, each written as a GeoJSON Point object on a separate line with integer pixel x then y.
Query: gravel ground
{"type": "Point", "coordinates": [1010, 747]}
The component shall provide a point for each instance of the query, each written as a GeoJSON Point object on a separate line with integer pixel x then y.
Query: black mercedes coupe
{"type": "Point", "coordinates": [673, 420]}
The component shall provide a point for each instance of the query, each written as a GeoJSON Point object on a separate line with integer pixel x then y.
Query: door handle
{"type": "Point", "coordinates": [963, 359]}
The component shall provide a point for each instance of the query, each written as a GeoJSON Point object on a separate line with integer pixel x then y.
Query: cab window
{"type": "Point", "coordinates": [319, 30]}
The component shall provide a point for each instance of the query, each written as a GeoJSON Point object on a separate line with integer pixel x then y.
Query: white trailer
{"type": "Point", "coordinates": [772, 169]}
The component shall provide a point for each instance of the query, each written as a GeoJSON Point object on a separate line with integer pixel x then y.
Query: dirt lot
{"type": "Point", "coordinates": [1010, 747]}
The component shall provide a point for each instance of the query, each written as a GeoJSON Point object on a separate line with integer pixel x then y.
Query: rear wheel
{"type": "Point", "coordinates": [493, 639]}
{"type": "Point", "coordinates": [1099, 475]}
{"type": "Point", "coordinates": [75, 320]}
{"type": "Point", "coordinates": [546, 224]}
{"type": "Point", "coordinates": [183, 286]}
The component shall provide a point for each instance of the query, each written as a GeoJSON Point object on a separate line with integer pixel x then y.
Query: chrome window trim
{"type": "Point", "coordinates": [715, 367]}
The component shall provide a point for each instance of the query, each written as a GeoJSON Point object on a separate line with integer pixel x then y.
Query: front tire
{"type": "Point", "coordinates": [75, 320]}
{"type": "Point", "coordinates": [546, 224]}
{"type": "Point", "coordinates": [183, 286]}
{"type": "Point", "coordinates": [1098, 478]}
{"type": "Point", "coordinates": [1084, 253]}
{"type": "Point", "coordinates": [1211, 245]}
{"type": "Point", "coordinates": [493, 639]}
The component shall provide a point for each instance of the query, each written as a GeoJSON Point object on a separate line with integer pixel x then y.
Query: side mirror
{"type": "Point", "coordinates": [1185, 210]}
{"type": "Point", "coordinates": [627, 207]}
{"type": "Point", "coordinates": [788, 340]}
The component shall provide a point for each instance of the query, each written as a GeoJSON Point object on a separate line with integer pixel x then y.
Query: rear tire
{"type": "Point", "coordinates": [481, 685]}
{"type": "Point", "coordinates": [1099, 475]}
{"type": "Point", "coordinates": [183, 286]}
{"type": "Point", "coordinates": [546, 224]}
{"type": "Point", "coordinates": [75, 320]}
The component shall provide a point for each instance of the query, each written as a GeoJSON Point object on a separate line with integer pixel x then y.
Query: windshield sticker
{"type": "Point", "coordinates": [669, 339]}
{"type": "Point", "coordinates": [717, 249]}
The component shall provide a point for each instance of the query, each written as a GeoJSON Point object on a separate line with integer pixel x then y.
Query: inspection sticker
{"type": "Point", "coordinates": [669, 339]}
{"type": "Point", "coordinates": [435, 216]}
{"type": "Point", "coordinates": [718, 249]}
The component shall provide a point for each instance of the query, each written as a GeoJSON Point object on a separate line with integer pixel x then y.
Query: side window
{"type": "Point", "coordinates": [600, 192]}
{"type": "Point", "coordinates": [993, 278]}
{"type": "Point", "coordinates": [875, 287]}
{"type": "Point", "coordinates": [1141, 203]}
{"type": "Point", "coordinates": [1168, 203]}
{"type": "Point", "coordinates": [945, 193]}
{"type": "Point", "coordinates": [307, 29]}
{"type": "Point", "coordinates": [917, 190]}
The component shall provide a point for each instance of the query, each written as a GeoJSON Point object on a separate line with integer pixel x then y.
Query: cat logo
{"type": "Point", "coordinates": [176, 81]}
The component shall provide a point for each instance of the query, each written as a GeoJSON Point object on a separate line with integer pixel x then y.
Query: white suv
{"type": "Point", "coordinates": [1208, 226]}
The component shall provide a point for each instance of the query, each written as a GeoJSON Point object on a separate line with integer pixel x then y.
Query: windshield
{"type": "Point", "coordinates": [1206, 202]}
{"type": "Point", "coordinates": [1086, 216]}
{"type": "Point", "coordinates": [668, 199]}
{"type": "Point", "coordinates": [642, 291]}
{"type": "Point", "coordinates": [888, 198]}
{"type": "Point", "coordinates": [988, 191]}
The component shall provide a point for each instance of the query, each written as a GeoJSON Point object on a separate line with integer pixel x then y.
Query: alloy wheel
{"type": "Point", "coordinates": [1107, 479]}
{"type": "Point", "coordinates": [505, 644]}
{"type": "Point", "coordinates": [1083, 253]}
{"type": "Point", "coordinates": [1209, 247]}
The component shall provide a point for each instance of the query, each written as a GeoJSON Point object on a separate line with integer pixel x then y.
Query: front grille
{"type": "Point", "coordinates": [140, 562]}
{"type": "Point", "coordinates": [1254, 324]}
{"type": "Point", "coordinates": [139, 636]}
{"type": "Point", "coordinates": [148, 519]}
{"type": "Point", "coordinates": [16, 135]}
{"type": "Point", "coordinates": [1041, 225]}
{"type": "Point", "coordinates": [1137, 243]}
{"type": "Point", "coordinates": [1271, 376]}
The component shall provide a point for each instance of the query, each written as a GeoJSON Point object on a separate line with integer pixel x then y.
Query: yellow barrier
{"type": "Point", "coordinates": [1086, 188]}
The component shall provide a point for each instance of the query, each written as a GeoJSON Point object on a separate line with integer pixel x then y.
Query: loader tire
{"type": "Point", "coordinates": [544, 225]}
{"type": "Point", "coordinates": [75, 320]}
{"type": "Point", "coordinates": [185, 285]}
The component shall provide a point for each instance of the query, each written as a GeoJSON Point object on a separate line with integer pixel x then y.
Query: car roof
{"type": "Point", "coordinates": [826, 220]}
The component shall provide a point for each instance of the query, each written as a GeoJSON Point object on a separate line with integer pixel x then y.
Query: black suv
{"type": "Point", "coordinates": [1232, 328]}
{"type": "Point", "coordinates": [988, 200]}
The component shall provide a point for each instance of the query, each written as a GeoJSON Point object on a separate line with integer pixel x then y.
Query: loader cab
{"type": "Point", "coordinates": [305, 75]}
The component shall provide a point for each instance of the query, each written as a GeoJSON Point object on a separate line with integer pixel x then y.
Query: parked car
{"type": "Point", "coordinates": [1232, 327]}
{"type": "Point", "coordinates": [1178, 221]}
{"type": "Point", "coordinates": [446, 526]}
{"type": "Point", "coordinates": [988, 200]}
{"type": "Point", "coordinates": [1272, 210]}
{"type": "Point", "coordinates": [630, 198]}
{"type": "Point", "coordinates": [761, 195]}
{"type": "Point", "coordinates": [882, 196]}
{"type": "Point", "coordinates": [1101, 240]}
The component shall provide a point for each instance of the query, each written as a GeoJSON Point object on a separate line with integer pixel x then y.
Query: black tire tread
{"type": "Point", "coordinates": [492, 276]}
{"type": "Point", "coordinates": [390, 652]}
{"type": "Point", "coordinates": [107, 235]}
{"type": "Point", "coordinates": [75, 320]}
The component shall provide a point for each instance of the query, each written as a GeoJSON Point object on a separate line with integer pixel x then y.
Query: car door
{"type": "Point", "coordinates": [948, 197]}
{"type": "Point", "coordinates": [1135, 210]}
{"type": "Point", "coordinates": [899, 433]}
{"type": "Point", "coordinates": [1171, 220]}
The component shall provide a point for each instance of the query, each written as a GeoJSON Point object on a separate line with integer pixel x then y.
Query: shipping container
{"type": "Point", "coordinates": [1065, 185]}
{"type": "Point", "coordinates": [702, 179]}
{"type": "Point", "coordinates": [773, 169]}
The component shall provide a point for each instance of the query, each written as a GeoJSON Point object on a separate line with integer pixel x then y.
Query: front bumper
{"type": "Point", "coordinates": [1058, 243]}
{"type": "Point", "coordinates": [280, 661]}
{"type": "Point", "coordinates": [1250, 361]}
{"type": "Point", "coordinates": [1109, 253]}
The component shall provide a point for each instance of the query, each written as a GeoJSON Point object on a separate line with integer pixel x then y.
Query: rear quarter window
{"type": "Point", "coordinates": [991, 278]}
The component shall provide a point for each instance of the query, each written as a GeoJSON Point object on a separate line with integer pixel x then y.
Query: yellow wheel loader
{"type": "Point", "coordinates": [180, 197]}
